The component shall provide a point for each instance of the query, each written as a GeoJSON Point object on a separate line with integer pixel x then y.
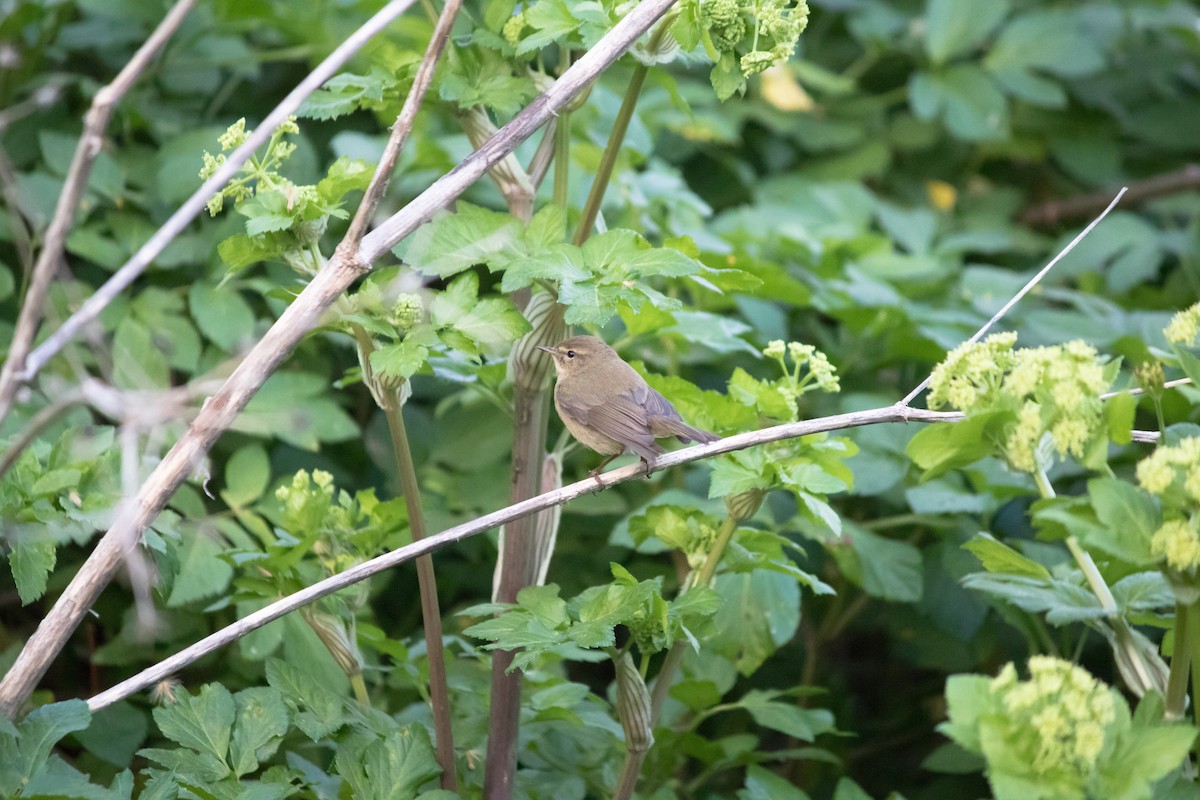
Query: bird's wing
{"type": "Point", "coordinates": [663, 419]}
{"type": "Point", "coordinates": [623, 419]}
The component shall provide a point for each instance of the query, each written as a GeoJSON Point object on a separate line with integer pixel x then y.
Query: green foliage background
{"type": "Point", "coordinates": [879, 196]}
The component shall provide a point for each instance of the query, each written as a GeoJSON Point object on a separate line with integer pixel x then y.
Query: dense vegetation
{"type": "Point", "coordinates": [777, 212]}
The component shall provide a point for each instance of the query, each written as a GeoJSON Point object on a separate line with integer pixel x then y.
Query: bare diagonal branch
{"type": "Point", "coordinates": [299, 318]}
{"type": "Point", "coordinates": [187, 212]}
{"type": "Point", "coordinates": [90, 142]}
{"type": "Point", "coordinates": [361, 572]}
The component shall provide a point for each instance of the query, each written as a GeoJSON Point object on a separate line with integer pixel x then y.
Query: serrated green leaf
{"type": "Point", "coordinates": [450, 243]}
{"type": "Point", "coordinates": [24, 756]}
{"type": "Point", "coordinates": [393, 767]}
{"type": "Point", "coordinates": [320, 711]}
{"type": "Point", "coordinates": [201, 722]}
{"type": "Point", "coordinates": [32, 559]}
{"type": "Point", "coordinates": [261, 722]}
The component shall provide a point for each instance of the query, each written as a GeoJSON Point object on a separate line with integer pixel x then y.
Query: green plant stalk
{"type": "Point", "coordinates": [562, 147]}
{"type": "Point", "coordinates": [612, 149]}
{"type": "Point", "coordinates": [439, 695]}
{"type": "Point", "coordinates": [1090, 571]}
{"type": "Point", "coordinates": [1181, 661]}
{"type": "Point", "coordinates": [1193, 643]}
{"type": "Point", "coordinates": [701, 577]}
{"type": "Point", "coordinates": [360, 690]}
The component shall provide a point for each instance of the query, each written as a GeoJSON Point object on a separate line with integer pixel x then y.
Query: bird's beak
{"type": "Point", "coordinates": [543, 347]}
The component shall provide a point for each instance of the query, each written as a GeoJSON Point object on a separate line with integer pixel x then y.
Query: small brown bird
{"type": "Point", "coordinates": [609, 407]}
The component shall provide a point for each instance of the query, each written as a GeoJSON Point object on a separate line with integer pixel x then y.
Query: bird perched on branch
{"type": "Point", "coordinates": [609, 407]}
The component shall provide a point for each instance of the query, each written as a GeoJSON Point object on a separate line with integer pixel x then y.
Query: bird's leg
{"type": "Point", "coordinates": [596, 472]}
{"type": "Point", "coordinates": [648, 465]}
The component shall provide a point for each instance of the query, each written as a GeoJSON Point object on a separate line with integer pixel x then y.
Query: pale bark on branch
{"type": "Point", "coordinates": [302, 316]}
{"type": "Point", "coordinates": [361, 572]}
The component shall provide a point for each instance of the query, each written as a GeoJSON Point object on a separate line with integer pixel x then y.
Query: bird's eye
{"type": "Point", "coordinates": [570, 354]}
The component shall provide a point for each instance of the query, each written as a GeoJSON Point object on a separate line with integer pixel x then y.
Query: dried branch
{"type": "Point", "coordinates": [90, 142]}
{"type": "Point", "coordinates": [299, 318]}
{"type": "Point", "coordinates": [1082, 207]}
{"type": "Point", "coordinates": [458, 533]}
{"type": "Point", "coordinates": [187, 212]}
{"type": "Point", "coordinates": [1016, 298]}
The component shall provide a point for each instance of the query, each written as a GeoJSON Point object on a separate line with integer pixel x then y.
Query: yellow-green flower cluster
{"type": "Point", "coordinates": [820, 372]}
{"type": "Point", "coordinates": [1184, 326]}
{"type": "Point", "coordinates": [513, 28]}
{"type": "Point", "coordinates": [1061, 712]}
{"type": "Point", "coordinates": [1056, 391]}
{"type": "Point", "coordinates": [254, 171]}
{"type": "Point", "coordinates": [1173, 474]}
{"type": "Point", "coordinates": [407, 311]}
{"type": "Point", "coordinates": [306, 500]}
{"type": "Point", "coordinates": [1179, 543]}
{"type": "Point", "coordinates": [775, 26]}
{"type": "Point", "coordinates": [1174, 466]}
{"type": "Point", "coordinates": [971, 373]}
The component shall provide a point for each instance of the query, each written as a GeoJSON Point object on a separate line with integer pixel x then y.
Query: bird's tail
{"type": "Point", "coordinates": [667, 426]}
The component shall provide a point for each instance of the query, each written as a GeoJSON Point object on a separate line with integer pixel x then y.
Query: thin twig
{"type": "Point", "coordinates": [90, 142]}
{"type": "Point", "coordinates": [403, 125]}
{"type": "Point", "coordinates": [41, 420]}
{"type": "Point", "coordinates": [1139, 390]}
{"type": "Point", "coordinates": [361, 572]}
{"type": "Point", "coordinates": [187, 212]}
{"type": "Point", "coordinates": [1083, 206]}
{"type": "Point", "coordinates": [297, 320]}
{"type": "Point", "coordinates": [1024, 291]}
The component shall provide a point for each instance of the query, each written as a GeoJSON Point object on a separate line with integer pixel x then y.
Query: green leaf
{"type": "Point", "coordinates": [23, 756]}
{"type": "Point", "coordinates": [1060, 601]}
{"type": "Point", "coordinates": [740, 471]}
{"type": "Point", "coordinates": [760, 612]}
{"type": "Point", "coordinates": [451, 243]}
{"type": "Point", "coordinates": [138, 361]}
{"type": "Point", "coordinates": [955, 27]}
{"type": "Point", "coordinates": [247, 474]}
{"type": "Point", "coordinates": [801, 723]}
{"type": "Point", "coordinates": [1129, 516]}
{"type": "Point", "coordinates": [240, 251]}
{"type": "Point", "coordinates": [884, 568]}
{"type": "Point", "coordinates": [222, 315]}
{"type": "Point", "coordinates": [296, 407]}
{"type": "Point", "coordinates": [551, 20]}
{"type": "Point", "coordinates": [262, 720]}
{"type": "Point", "coordinates": [999, 557]}
{"type": "Point", "coordinates": [391, 768]}
{"type": "Point", "coordinates": [116, 733]}
{"type": "Point", "coordinates": [965, 98]}
{"type": "Point", "coordinates": [319, 711]}
{"type": "Point", "coordinates": [762, 784]}
{"type": "Point", "coordinates": [202, 571]}
{"type": "Point", "coordinates": [938, 449]}
{"type": "Point", "coordinates": [345, 93]}
{"type": "Point", "coordinates": [31, 559]}
{"type": "Point", "coordinates": [343, 176]}
{"type": "Point", "coordinates": [400, 360]}
{"type": "Point", "coordinates": [202, 722]}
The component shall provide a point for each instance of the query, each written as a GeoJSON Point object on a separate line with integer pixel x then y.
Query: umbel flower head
{"type": "Point", "coordinates": [1172, 473]}
{"type": "Point", "coordinates": [1064, 710]}
{"type": "Point", "coordinates": [1052, 392]}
